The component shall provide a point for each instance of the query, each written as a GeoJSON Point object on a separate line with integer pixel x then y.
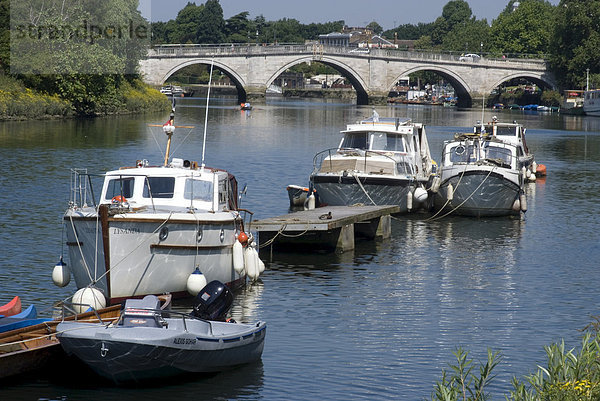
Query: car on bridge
{"type": "Point", "coordinates": [473, 58]}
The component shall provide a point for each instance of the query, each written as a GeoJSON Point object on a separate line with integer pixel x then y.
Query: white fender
{"type": "Point", "coordinates": [251, 267]}
{"type": "Point", "coordinates": [420, 195]}
{"type": "Point", "coordinates": [238, 257]}
{"type": "Point", "coordinates": [435, 184]}
{"type": "Point", "coordinates": [195, 282]}
{"type": "Point", "coordinates": [523, 201]}
{"type": "Point", "coordinates": [409, 201]}
{"type": "Point", "coordinates": [86, 297]}
{"type": "Point", "coordinates": [450, 192]}
{"type": "Point", "coordinates": [60, 274]}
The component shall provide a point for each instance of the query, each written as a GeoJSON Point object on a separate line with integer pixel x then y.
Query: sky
{"type": "Point", "coordinates": [387, 13]}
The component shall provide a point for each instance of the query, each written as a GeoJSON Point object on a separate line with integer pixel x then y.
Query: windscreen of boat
{"type": "Point", "coordinates": [355, 140]}
{"type": "Point", "coordinates": [119, 187]}
{"type": "Point", "coordinates": [198, 190]}
{"type": "Point", "coordinates": [506, 131]}
{"type": "Point", "coordinates": [462, 153]}
{"type": "Point", "coordinates": [159, 187]}
{"type": "Point", "coordinates": [388, 143]}
{"type": "Point", "coordinates": [498, 153]}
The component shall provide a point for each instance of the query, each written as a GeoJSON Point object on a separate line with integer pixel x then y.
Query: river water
{"type": "Point", "coordinates": [380, 322]}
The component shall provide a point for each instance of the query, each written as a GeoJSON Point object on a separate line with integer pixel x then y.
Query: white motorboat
{"type": "Point", "coordinates": [591, 102]}
{"type": "Point", "coordinates": [143, 344]}
{"type": "Point", "coordinates": [379, 161]}
{"type": "Point", "coordinates": [479, 176]}
{"type": "Point", "coordinates": [155, 228]}
{"type": "Point", "coordinates": [172, 90]}
{"type": "Point", "coordinates": [513, 133]}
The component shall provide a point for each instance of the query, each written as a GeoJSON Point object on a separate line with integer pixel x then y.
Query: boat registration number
{"type": "Point", "coordinates": [184, 341]}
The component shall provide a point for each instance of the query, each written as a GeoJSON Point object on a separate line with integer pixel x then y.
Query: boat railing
{"type": "Point", "coordinates": [468, 154]}
{"type": "Point", "coordinates": [403, 164]}
{"type": "Point", "coordinates": [82, 189]}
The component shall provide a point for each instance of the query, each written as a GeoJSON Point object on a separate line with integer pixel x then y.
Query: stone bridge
{"type": "Point", "coordinates": [373, 74]}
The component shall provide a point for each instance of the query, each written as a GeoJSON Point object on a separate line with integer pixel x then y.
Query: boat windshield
{"type": "Point", "coordinates": [198, 190]}
{"type": "Point", "coordinates": [390, 143]}
{"type": "Point", "coordinates": [119, 186]}
{"type": "Point", "coordinates": [159, 187]}
{"type": "Point", "coordinates": [463, 153]}
{"type": "Point", "coordinates": [505, 131]}
{"type": "Point", "coordinates": [494, 152]}
{"type": "Point", "coordinates": [356, 140]}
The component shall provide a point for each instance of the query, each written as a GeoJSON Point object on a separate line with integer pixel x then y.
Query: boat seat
{"type": "Point", "coordinates": [143, 312]}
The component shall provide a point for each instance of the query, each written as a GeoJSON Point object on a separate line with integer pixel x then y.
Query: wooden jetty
{"type": "Point", "coordinates": [328, 228]}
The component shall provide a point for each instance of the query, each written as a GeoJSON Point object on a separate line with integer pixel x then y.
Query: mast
{"type": "Point", "coordinates": [169, 128]}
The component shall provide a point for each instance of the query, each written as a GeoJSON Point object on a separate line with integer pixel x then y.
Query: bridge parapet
{"type": "Point", "coordinates": [316, 50]}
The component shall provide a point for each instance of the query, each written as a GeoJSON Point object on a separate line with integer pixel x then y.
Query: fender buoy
{"type": "Point", "coordinates": [118, 199]}
{"type": "Point", "coordinates": [243, 238]}
{"type": "Point", "coordinates": [540, 171]}
{"type": "Point", "coordinates": [238, 257]}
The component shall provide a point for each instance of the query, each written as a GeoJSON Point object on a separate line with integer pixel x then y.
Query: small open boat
{"type": "Point", "coordinates": [29, 348]}
{"type": "Point", "coordinates": [143, 344]}
{"type": "Point", "coordinates": [11, 308]}
{"type": "Point", "coordinates": [28, 317]}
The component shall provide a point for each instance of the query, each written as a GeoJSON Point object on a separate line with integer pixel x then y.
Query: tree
{"type": "Point", "coordinates": [237, 27]}
{"type": "Point", "coordinates": [525, 30]}
{"type": "Point", "coordinates": [454, 13]}
{"type": "Point", "coordinates": [575, 44]}
{"type": "Point", "coordinates": [375, 27]}
{"type": "Point", "coordinates": [211, 25]}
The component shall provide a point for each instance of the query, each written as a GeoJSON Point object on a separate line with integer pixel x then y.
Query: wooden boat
{"type": "Point", "coordinates": [33, 347]}
{"type": "Point", "coordinates": [11, 308]}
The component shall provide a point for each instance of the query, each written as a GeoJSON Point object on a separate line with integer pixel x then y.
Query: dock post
{"type": "Point", "coordinates": [345, 241]}
{"type": "Point", "coordinates": [378, 227]}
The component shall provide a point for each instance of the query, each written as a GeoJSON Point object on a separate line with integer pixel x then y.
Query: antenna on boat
{"type": "Point", "coordinates": [212, 62]}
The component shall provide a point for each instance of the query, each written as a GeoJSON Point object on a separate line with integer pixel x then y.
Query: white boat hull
{"type": "Point", "coordinates": [128, 258]}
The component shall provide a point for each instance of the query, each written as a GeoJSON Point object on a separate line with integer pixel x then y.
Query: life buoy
{"type": "Point", "coordinates": [118, 199]}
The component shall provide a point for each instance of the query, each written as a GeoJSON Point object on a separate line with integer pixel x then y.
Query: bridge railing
{"type": "Point", "coordinates": [318, 51]}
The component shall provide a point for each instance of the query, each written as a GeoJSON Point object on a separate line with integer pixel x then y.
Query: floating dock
{"type": "Point", "coordinates": [331, 228]}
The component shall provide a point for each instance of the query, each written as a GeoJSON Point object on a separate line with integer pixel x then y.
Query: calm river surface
{"type": "Point", "coordinates": [377, 323]}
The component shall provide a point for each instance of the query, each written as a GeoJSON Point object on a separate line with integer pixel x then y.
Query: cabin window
{"type": "Point", "coordinates": [499, 153]}
{"type": "Point", "coordinates": [507, 131]}
{"type": "Point", "coordinates": [198, 190]}
{"type": "Point", "coordinates": [159, 187]}
{"type": "Point", "coordinates": [390, 143]}
{"type": "Point", "coordinates": [462, 153]}
{"type": "Point", "coordinates": [119, 187]}
{"type": "Point", "coordinates": [355, 141]}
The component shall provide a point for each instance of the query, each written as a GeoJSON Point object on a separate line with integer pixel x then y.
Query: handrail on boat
{"type": "Point", "coordinates": [320, 157]}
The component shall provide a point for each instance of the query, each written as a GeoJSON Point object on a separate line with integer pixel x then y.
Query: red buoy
{"type": "Point", "coordinates": [243, 238]}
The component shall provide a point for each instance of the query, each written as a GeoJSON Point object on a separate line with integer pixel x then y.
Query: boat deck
{"type": "Point", "coordinates": [329, 228]}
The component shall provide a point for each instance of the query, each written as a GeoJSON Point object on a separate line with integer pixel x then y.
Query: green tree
{"type": "Point", "coordinates": [525, 30]}
{"type": "Point", "coordinates": [454, 13]}
{"type": "Point", "coordinates": [184, 30]}
{"type": "Point", "coordinates": [211, 25]}
{"type": "Point", "coordinates": [375, 27]}
{"type": "Point", "coordinates": [237, 27]}
{"type": "Point", "coordinates": [575, 44]}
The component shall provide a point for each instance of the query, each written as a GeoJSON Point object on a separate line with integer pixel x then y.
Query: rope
{"type": "Point", "coordinates": [469, 197]}
{"type": "Point", "coordinates": [363, 188]}
{"type": "Point", "coordinates": [280, 232]}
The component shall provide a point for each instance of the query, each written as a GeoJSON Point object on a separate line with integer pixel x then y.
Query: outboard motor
{"type": "Point", "coordinates": [213, 301]}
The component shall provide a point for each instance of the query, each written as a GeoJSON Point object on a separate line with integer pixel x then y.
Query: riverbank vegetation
{"type": "Point", "coordinates": [60, 64]}
{"type": "Point", "coordinates": [569, 374]}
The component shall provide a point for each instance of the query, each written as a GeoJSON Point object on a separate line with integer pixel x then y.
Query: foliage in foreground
{"type": "Point", "coordinates": [569, 375]}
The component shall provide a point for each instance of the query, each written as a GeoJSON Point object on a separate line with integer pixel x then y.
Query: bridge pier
{"type": "Point", "coordinates": [377, 98]}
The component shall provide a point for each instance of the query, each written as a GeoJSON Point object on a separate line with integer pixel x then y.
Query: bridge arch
{"type": "Point", "coordinates": [539, 79]}
{"type": "Point", "coordinates": [461, 87]}
{"type": "Point", "coordinates": [355, 79]}
{"type": "Point", "coordinates": [237, 80]}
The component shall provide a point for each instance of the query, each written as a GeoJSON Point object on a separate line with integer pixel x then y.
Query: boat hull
{"type": "Point", "coordinates": [340, 190]}
{"type": "Point", "coordinates": [479, 193]}
{"type": "Point", "coordinates": [136, 354]}
{"type": "Point", "coordinates": [125, 255]}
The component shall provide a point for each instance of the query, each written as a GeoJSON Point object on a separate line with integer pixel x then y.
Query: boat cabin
{"type": "Point", "coordinates": [513, 133]}
{"type": "Point", "coordinates": [472, 151]}
{"type": "Point", "coordinates": [180, 184]}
